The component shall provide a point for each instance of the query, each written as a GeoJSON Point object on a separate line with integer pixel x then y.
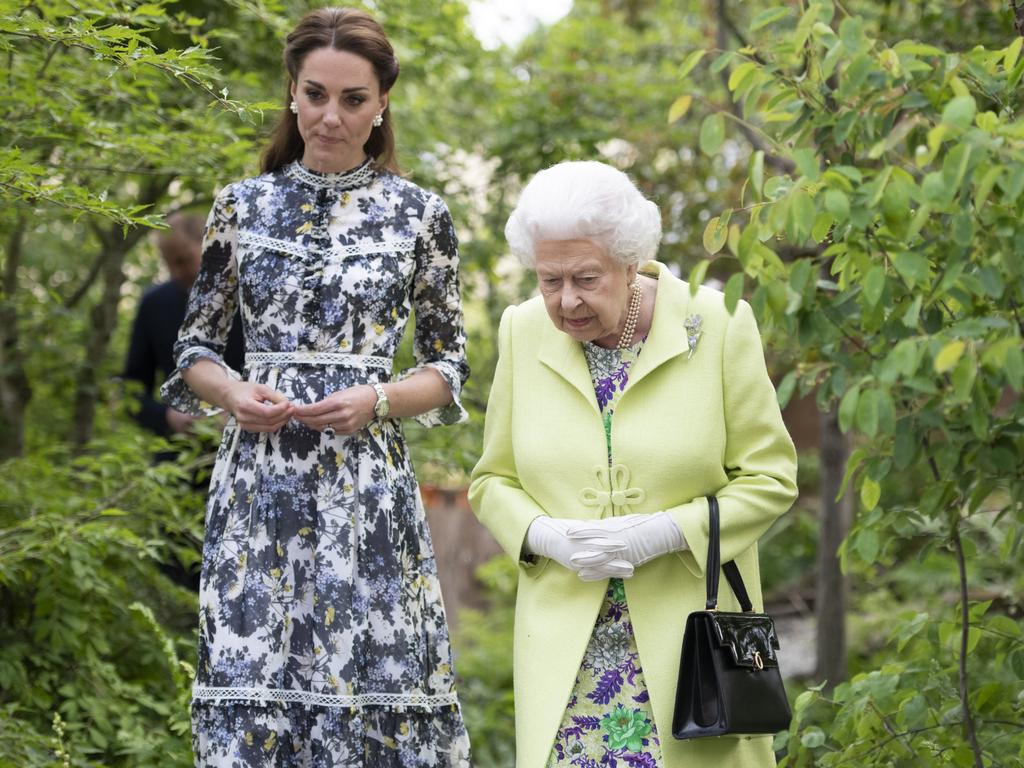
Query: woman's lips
{"type": "Point", "coordinates": [581, 323]}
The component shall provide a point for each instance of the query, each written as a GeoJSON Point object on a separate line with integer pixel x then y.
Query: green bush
{"type": "Point", "coordinates": [91, 628]}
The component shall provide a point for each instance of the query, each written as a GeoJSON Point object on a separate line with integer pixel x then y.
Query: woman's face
{"type": "Point", "coordinates": [585, 290]}
{"type": "Point", "coordinates": [338, 96]}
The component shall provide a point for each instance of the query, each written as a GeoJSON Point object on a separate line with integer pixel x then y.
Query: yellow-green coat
{"type": "Point", "coordinates": [694, 420]}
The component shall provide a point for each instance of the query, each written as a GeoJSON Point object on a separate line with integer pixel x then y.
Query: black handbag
{"type": "Point", "coordinates": [729, 681]}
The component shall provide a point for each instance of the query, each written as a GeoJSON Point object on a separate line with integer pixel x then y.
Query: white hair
{"type": "Point", "coordinates": [585, 200]}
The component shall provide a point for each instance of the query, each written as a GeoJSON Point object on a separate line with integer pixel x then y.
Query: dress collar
{"type": "Point", "coordinates": [359, 176]}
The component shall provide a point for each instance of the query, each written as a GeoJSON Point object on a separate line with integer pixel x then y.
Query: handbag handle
{"type": "Point", "coordinates": [713, 566]}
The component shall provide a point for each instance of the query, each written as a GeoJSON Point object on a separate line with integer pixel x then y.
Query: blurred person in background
{"type": "Point", "coordinates": [160, 314]}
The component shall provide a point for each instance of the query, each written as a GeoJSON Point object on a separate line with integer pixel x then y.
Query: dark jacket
{"type": "Point", "coordinates": [161, 313]}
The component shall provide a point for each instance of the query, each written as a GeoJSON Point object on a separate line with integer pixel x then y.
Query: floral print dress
{"type": "Point", "coordinates": [608, 722]}
{"type": "Point", "coordinates": [322, 635]}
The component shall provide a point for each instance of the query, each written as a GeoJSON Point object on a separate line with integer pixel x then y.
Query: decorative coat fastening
{"type": "Point", "coordinates": [613, 496]}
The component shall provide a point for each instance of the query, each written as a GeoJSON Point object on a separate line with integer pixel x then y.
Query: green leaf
{"type": "Point", "coordinates": [712, 133]}
{"type": "Point", "coordinates": [913, 313]}
{"type": "Point", "coordinates": [912, 267]}
{"type": "Point", "coordinates": [756, 173]}
{"type": "Point", "coordinates": [737, 75]}
{"type": "Point", "coordinates": [874, 285]}
{"type": "Point", "coordinates": [848, 408]}
{"type": "Point", "coordinates": [867, 412]}
{"type": "Point", "coordinates": [786, 388]}
{"type": "Point", "coordinates": [801, 216]}
{"type": "Point", "coordinates": [770, 16]}
{"type": "Point", "coordinates": [1012, 53]}
{"type": "Point", "coordinates": [690, 62]}
{"type": "Point", "coordinates": [852, 463]}
{"type": "Point", "coordinates": [679, 107]}
{"type": "Point", "coordinates": [867, 543]}
{"type": "Point", "coordinates": [960, 112]}
{"type": "Point", "coordinates": [697, 275]}
{"type": "Point", "coordinates": [715, 234]}
{"type": "Point", "coordinates": [807, 164]}
{"type": "Point", "coordinates": [812, 738]}
{"type": "Point", "coordinates": [963, 229]}
{"type": "Point", "coordinates": [949, 356]}
{"type": "Point", "coordinates": [733, 292]}
{"type": "Point", "coordinates": [838, 204]}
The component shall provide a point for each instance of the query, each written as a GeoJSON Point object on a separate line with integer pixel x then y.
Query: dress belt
{"type": "Point", "coordinates": [311, 357]}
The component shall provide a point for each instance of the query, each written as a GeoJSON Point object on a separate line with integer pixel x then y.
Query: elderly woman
{"type": "Point", "coordinates": [621, 400]}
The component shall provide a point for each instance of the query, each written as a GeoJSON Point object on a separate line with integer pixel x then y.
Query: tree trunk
{"type": "Point", "coordinates": [104, 314]}
{"type": "Point", "coordinates": [830, 597]}
{"type": "Point", "coordinates": [15, 391]}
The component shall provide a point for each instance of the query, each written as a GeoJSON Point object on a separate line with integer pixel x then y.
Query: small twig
{"type": "Point", "coordinates": [965, 628]}
{"type": "Point", "coordinates": [1018, 16]}
{"type": "Point", "coordinates": [890, 729]}
{"type": "Point", "coordinates": [46, 62]}
{"type": "Point", "coordinates": [857, 759]}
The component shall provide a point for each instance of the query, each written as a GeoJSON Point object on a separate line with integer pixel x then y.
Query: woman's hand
{"type": "Point", "coordinates": [592, 558]}
{"type": "Point", "coordinates": [257, 407]}
{"type": "Point", "coordinates": [346, 411]}
{"type": "Point", "coordinates": [645, 536]}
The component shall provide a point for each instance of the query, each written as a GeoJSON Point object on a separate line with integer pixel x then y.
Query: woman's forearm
{"type": "Point", "coordinates": [422, 392]}
{"type": "Point", "coordinates": [210, 382]}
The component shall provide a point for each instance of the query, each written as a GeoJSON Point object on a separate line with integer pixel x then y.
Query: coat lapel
{"type": "Point", "coordinates": [667, 337]}
{"type": "Point", "coordinates": [564, 355]}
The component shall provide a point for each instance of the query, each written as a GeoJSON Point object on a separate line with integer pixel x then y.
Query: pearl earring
{"type": "Point", "coordinates": [378, 121]}
{"type": "Point", "coordinates": [294, 108]}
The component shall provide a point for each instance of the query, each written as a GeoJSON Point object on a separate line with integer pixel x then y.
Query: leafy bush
{"type": "Point", "coordinates": [92, 629]}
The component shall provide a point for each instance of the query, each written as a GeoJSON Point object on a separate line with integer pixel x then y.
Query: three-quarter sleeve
{"type": "Point", "coordinates": [211, 308]}
{"type": "Point", "coordinates": [759, 459]}
{"type": "Point", "coordinates": [495, 491]}
{"type": "Point", "coordinates": [440, 339]}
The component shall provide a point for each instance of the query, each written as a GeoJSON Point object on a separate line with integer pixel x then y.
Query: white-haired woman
{"type": "Point", "coordinates": [620, 401]}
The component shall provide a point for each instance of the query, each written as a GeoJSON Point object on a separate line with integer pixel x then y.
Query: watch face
{"type": "Point", "coordinates": [383, 406]}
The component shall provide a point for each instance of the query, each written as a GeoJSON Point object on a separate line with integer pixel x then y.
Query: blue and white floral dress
{"type": "Point", "coordinates": [322, 635]}
{"type": "Point", "coordinates": [609, 722]}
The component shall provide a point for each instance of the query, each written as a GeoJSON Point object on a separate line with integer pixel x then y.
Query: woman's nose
{"type": "Point", "coordinates": [570, 299]}
{"type": "Point", "coordinates": [331, 116]}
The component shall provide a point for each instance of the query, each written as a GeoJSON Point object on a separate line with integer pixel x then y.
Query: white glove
{"type": "Point", "coordinates": [588, 556]}
{"type": "Point", "coordinates": [646, 536]}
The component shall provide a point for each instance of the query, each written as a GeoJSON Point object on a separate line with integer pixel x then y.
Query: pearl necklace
{"type": "Point", "coordinates": [632, 315]}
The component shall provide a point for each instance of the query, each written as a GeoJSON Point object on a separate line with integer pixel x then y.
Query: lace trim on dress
{"type": "Point", "coordinates": [293, 248]}
{"type": "Point", "coordinates": [311, 698]}
{"type": "Point", "coordinates": [357, 177]}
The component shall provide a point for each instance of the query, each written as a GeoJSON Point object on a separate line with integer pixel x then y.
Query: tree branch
{"type": "Point", "coordinates": [1018, 16]}
{"type": "Point", "coordinates": [725, 24]}
{"type": "Point", "coordinates": [965, 628]}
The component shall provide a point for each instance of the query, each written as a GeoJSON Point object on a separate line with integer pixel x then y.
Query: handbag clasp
{"type": "Point", "coordinates": [757, 660]}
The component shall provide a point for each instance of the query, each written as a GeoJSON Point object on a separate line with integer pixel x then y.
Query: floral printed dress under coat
{"type": "Point", "coordinates": [608, 722]}
{"type": "Point", "coordinates": [322, 635]}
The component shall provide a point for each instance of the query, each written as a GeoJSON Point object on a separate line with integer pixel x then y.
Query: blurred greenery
{"type": "Point", "coordinates": [855, 170]}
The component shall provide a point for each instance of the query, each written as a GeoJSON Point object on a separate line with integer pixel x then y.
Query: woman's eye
{"type": "Point", "coordinates": [355, 101]}
{"type": "Point", "coordinates": [313, 95]}
{"type": "Point", "coordinates": [586, 280]}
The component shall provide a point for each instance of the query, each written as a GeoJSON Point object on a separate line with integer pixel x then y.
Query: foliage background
{"type": "Point", "coordinates": [853, 169]}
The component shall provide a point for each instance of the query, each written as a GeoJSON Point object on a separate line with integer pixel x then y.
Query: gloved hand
{"type": "Point", "coordinates": [646, 536]}
{"type": "Point", "coordinates": [588, 556]}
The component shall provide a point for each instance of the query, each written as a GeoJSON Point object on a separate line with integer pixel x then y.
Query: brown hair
{"type": "Point", "coordinates": [344, 29]}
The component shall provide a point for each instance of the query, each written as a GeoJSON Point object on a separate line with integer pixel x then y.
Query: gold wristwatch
{"type": "Point", "coordinates": [383, 406]}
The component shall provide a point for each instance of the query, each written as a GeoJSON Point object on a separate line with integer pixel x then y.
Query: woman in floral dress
{"type": "Point", "coordinates": [621, 400]}
{"type": "Point", "coordinates": [322, 638]}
